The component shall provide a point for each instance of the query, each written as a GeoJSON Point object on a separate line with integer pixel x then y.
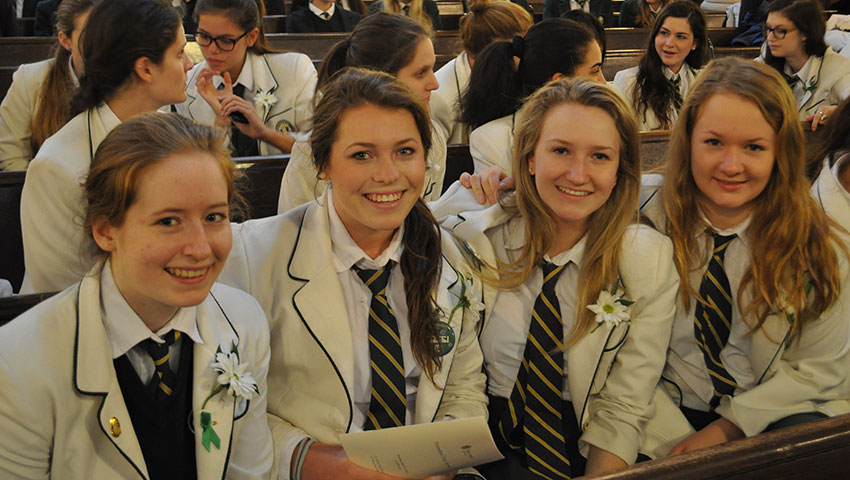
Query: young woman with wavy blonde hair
{"type": "Point", "coordinates": [566, 242]}
{"type": "Point", "coordinates": [760, 339]}
{"type": "Point", "coordinates": [425, 12]}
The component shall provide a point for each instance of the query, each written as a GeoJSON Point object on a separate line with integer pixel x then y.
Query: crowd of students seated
{"type": "Point", "coordinates": [594, 313]}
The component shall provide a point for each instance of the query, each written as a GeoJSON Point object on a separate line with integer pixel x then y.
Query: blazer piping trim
{"type": "Point", "coordinates": [229, 445]}
{"type": "Point", "coordinates": [592, 379]}
{"type": "Point", "coordinates": [460, 332]}
{"type": "Point", "coordinates": [622, 340]}
{"type": "Point", "coordinates": [309, 330]}
{"type": "Point", "coordinates": [642, 205]}
{"type": "Point", "coordinates": [102, 395]}
{"type": "Point", "coordinates": [779, 348]}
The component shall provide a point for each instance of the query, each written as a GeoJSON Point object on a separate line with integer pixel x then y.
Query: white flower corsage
{"type": "Point", "coordinates": [467, 300]}
{"type": "Point", "coordinates": [265, 100]}
{"type": "Point", "coordinates": [611, 307]}
{"type": "Point", "coordinates": [239, 382]}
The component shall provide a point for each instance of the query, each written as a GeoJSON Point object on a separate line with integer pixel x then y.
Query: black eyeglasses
{"type": "Point", "coordinates": [778, 32]}
{"type": "Point", "coordinates": [223, 43]}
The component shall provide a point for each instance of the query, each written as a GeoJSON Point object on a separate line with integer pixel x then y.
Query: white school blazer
{"type": "Point", "coordinates": [792, 376]}
{"type": "Point", "coordinates": [613, 370]}
{"type": "Point", "coordinates": [62, 413]}
{"type": "Point", "coordinates": [291, 77]}
{"type": "Point", "coordinates": [453, 78]}
{"type": "Point", "coordinates": [56, 249]}
{"type": "Point", "coordinates": [830, 194]}
{"type": "Point", "coordinates": [492, 144]}
{"type": "Point", "coordinates": [16, 113]}
{"type": "Point", "coordinates": [285, 262]}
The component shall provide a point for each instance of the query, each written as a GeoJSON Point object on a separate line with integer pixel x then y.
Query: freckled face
{"type": "Point", "coordinates": [175, 237]}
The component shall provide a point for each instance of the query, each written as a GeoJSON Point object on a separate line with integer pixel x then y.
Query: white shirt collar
{"type": "Point", "coordinates": [123, 326]}
{"type": "Point", "coordinates": [72, 72]}
{"type": "Point", "coordinates": [803, 74]}
{"type": "Point", "coordinates": [346, 252]}
{"type": "Point", "coordinates": [246, 76]}
{"type": "Point", "coordinates": [740, 229]}
{"type": "Point", "coordinates": [514, 239]}
{"type": "Point", "coordinates": [318, 11]}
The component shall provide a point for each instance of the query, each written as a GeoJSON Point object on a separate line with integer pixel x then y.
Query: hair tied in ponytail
{"type": "Point", "coordinates": [518, 46]}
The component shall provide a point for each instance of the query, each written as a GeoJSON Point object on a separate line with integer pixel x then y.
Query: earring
{"type": "Point", "coordinates": [322, 176]}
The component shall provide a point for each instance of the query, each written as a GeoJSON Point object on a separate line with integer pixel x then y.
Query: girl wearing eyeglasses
{"type": "Point", "coordinates": [263, 97]}
{"type": "Point", "coordinates": [819, 77]}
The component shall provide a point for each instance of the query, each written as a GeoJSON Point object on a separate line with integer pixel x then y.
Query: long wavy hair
{"type": "Point", "coordinates": [417, 12]}
{"type": "Point", "coordinates": [652, 90]}
{"type": "Point", "coordinates": [606, 226]}
{"type": "Point", "coordinates": [489, 20]}
{"type": "Point", "coordinates": [792, 240]}
{"type": "Point", "coordinates": [421, 261]}
{"type": "Point", "coordinates": [832, 143]}
{"type": "Point", "coordinates": [645, 17]}
{"type": "Point", "coordinates": [54, 108]}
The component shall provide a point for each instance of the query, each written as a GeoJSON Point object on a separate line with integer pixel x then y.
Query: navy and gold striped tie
{"type": "Point", "coordinates": [163, 382]}
{"type": "Point", "coordinates": [535, 401]}
{"type": "Point", "coordinates": [388, 405]}
{"type": "Point", "coordinates": [677, 93]}
{"type": "Point", "coordinates": [713, 319]}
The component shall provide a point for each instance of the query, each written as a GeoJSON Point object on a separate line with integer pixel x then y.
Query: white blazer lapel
{"type": "Point", "coordinates": [264, 81]}
{"type": "Point", "coordinates": [829, 194]}
{"type": "Point", "coordinates": [584, 361]}
{"type": "Point", "coordinates": [215, 330]}
{"type": "Point", "coordinates": [320, 302]}
{"type": "Point", "coordinates": [94, 374]}
{"type": "Point", "coordinates": [429, 396]}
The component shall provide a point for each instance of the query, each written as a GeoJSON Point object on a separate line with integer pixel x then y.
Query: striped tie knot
{"type": "Point", "coordinates": [713, 318]}
{"type": "Point", "coordinates": [388, 403]}
{"type": "Point", "coordinates": [163, 382]}
{"type": "Point", "coordinates": [677, 92]}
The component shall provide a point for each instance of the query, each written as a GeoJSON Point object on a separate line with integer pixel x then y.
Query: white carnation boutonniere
{"type": "Point", "coordinates": [467, 299]}
{"type": "Point", "coordinates": [265, 100]}
{"type": "Point", "coordinates": [611, 307]}
{"type": "Point", "coordinates": [234, 376]}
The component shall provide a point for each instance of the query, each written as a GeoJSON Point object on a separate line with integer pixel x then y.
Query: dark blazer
{"type": "Point", "coordinates": [8, 19]}
{"type": "Point", "coordinates": [45, 18]}
{"type": "Point", "coordinates": [428, 6]}
{"type": "Point", "coordinates": [629, 13]}
{"type": "Point", "coordinates": [300, 21]}
{"type": "Point", "coordinates": [601, 9]}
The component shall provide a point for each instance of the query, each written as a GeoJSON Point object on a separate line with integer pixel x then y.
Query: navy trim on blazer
{"type": "Point", "coordinates": [102, 395]}
{"type": "Point", "coordinates": [459, 333]}
{"type": "Point", "coordinates": [327, 354]}
{"type": "Point", "coordinates": [593, 379]}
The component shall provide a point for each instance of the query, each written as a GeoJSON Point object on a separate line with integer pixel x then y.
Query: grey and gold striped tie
{"type": "Point", "coordinates": [163, 382]}
{"type": "Point", "coordinates": [535, 401]}
{"type": "Point", "coordinates": [388, 405]}
{"type": "Point", "coordinates": [713, 319]}
{"type": "Point", "coordinates": [677, 93]}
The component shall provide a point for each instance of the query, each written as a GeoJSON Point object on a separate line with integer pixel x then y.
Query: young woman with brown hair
{"type": "Point", "coordinates": [120, 375]}
{"type": "Point", "coordinates": [261, 96]}
{"type": "Point", "coordinates": [761, 338]}
{"type": "Point", "coordinates": [366, 254]}
{"type": "Point", "coordinates": [130, 68]}
{"type": "Point", "coordinates": [388, 43]}
{"type": "Point", "coordinates": [37, 104]}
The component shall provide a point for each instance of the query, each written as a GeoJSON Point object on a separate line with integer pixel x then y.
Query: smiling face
{"type": "Point", "coordinates": [674, 42]}
{"type": "Point", "coordinates": [792, 45]}
{"type": "Point", "coordinates": [377, 170]}
{"type": "Point", "coordinates": [732, 156]}
{"type": "Point", "coordinates": [174, 238]}
{"type": "Point", "coordinates": [217, 25]}
{"type": "Point", "coordinates": [418, 75]}
{"type": "Point", "coordinates": [575, 163]}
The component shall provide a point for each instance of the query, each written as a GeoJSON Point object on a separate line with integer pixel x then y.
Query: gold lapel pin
{"type": "Point", "coordinates": [114, 426]}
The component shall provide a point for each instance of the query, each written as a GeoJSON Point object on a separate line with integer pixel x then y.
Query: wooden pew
{"type": "Point", "coordinates": [25, 26]}
{"type": "Point", "coordinates": [813, 451]}
{"type": "Point", "coordinates": [11, 307]}
{"type": "Point", "coordinates": [12, 258]}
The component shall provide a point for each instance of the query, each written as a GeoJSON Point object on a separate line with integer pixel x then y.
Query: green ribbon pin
{"type": "Point", "coordinates": [208, 434]}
